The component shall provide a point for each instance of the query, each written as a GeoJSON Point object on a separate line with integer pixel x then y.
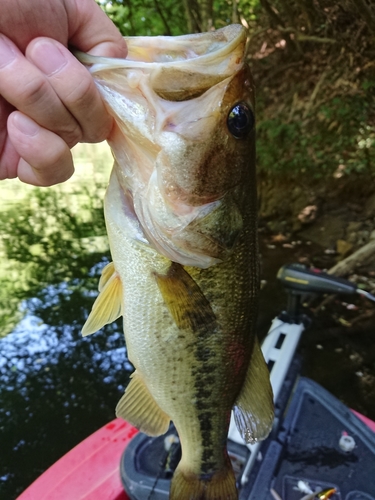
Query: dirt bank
{"type": "Point", "coordinates": [338, 214]}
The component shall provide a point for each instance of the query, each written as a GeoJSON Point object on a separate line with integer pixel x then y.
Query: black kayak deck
{"type": "Point", "coordinates": [307, 449]}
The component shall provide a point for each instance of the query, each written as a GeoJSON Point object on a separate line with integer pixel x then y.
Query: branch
{"type": "Point", "coordinates": [164, 21]}
{"type": "Point", "coordinates": [366, 12]}
{"type": "Point", "coordinates": [346, 266]}
{"type": "Point", "coordinates": [314, 94]}
{"type": "Point", "coordinates": [306, 38]}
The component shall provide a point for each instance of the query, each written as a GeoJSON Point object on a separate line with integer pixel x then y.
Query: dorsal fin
{"type": "Point", "coordinates": [108, 304]}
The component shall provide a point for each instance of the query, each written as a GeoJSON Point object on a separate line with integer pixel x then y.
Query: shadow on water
{"type": "Point", "coordinates": [56, 387]}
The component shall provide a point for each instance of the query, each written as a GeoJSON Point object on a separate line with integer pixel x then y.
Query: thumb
{"type": "Point", "coordinates": [90, 30]}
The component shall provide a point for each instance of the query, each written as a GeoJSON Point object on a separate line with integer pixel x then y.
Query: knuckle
{"type": "Point", "coordinates": [71, 135]}
{"type": "Point", "coordinates": [34, 91]}
{"type": "Point", "coordinates": [89, 111]}
{"type": "Point", "coordinates": [82, 95]}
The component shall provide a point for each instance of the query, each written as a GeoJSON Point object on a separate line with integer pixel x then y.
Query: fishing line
{"type": "Point", "coordinates": [169, 441]}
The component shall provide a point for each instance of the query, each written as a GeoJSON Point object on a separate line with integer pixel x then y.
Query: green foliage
{"type": "Point", "coordinates": [156, 17]}
{"type": "Point", "coordinates": [146, 17]}
{"type": "Point", "coordinates": [336, 138]}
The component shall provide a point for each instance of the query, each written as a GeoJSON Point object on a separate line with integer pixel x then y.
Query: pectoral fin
{"type": "Point", "coordinates": [107, 272]}
{"type": "Point", "coordinates": [139, 408]}
{"type": "Point", "coordinates": [253, 412]}
{"type": "Point", "coordinates": [186, 302]}
{"type": "Point", "coordinates": [108, 305]}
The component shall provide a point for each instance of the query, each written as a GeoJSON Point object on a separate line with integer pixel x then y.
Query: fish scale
{"type": "Point", "coordinates": [180, 212]}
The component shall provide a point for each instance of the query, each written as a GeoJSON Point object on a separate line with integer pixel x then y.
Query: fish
{"type": "Point", "coordinates": [181, 218]}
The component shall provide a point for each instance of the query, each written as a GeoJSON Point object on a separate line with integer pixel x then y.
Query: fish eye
{"type": "Point", "coordinates": [240, 120]}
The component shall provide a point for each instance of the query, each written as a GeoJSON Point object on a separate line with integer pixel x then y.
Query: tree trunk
{"type": "Point", "coordinates": [276, 21]}
{"type": "Point", "coordinates": [167, 29]}
{"type": "Point", "coordinates": [309, 13]}
{"type": "Point", "coordinates": [206, 14]}
{"type": "Point", "coordinates": [235, 16]}
{"type": "Point", "coordinates": [192, 16]}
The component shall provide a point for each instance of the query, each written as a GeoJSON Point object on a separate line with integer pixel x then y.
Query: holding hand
{"type": "Point", "coordinates": [48, 100]}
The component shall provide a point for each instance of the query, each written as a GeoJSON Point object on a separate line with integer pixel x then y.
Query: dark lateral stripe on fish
{"type": "Point", "coordinates": [205, 379]}
{"type": "Point", "coordinates": [191, 310]}
{"type": "Point", "coordinates": [206, 414]}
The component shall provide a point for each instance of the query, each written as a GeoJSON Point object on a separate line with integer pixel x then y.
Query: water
{"type": "Point", "coordinates": [56, 387]}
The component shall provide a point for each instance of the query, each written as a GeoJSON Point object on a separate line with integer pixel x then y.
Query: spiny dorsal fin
{"type": "Point", "coordinates": [253, 412]}
{"type": "Point", "coordinates": [108, 304]}
{"type": "Point", "coordinates": [140, 409]}
{"type": "Point", "coordinates": [186, 302]}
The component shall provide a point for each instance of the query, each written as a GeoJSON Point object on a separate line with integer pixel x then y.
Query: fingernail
{"type": "Point", "coordinates": [7, 53]}
{"type": "Point", "coordinates": [48, 57]}
{"type": "Point", "coordinates": [25, 125]}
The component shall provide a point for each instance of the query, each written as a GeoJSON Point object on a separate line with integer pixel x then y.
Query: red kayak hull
{"type": "Point", "coordinates": [90, 471]}
{"type": "Point", "coordinates": [365, 420]}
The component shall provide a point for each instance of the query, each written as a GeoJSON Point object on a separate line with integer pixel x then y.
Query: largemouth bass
{"type": "Point", "coordinates": [180, 211]}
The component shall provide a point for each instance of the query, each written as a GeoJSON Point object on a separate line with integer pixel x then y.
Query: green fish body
{"type": "Point", "coordinates": [181, 219]}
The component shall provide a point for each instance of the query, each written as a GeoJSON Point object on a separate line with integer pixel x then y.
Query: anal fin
{"type": "Point", "coordinates": [108, 304]}
{"type": "Point", "coordinates": [139, 408]}
{"type": "Point", "coordinates": [253, 411]}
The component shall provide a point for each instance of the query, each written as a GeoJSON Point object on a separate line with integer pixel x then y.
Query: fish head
{"type": "Point", "coordinates": [184, 140]}
{"type": "Point", "coordinates": [207, 143]}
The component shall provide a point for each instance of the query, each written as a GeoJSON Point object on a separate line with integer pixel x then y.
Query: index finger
{"type": "Point", "coordinates": [90, 30]}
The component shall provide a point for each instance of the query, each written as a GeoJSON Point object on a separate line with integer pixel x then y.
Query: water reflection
{"type": "Point", "coordinates": [56, 387]}
{"type": "Point", "coordinates": [51, 235]}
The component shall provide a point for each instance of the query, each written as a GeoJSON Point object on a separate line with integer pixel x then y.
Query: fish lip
{"type": "Point", "coordinates": [235, 35]}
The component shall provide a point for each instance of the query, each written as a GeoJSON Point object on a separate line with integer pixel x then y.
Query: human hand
{"type": "Point", "coordinates": [48, 100]}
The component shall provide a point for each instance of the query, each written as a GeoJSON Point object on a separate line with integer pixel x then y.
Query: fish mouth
{"type": "Point", "coordinates": [216, 56]}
